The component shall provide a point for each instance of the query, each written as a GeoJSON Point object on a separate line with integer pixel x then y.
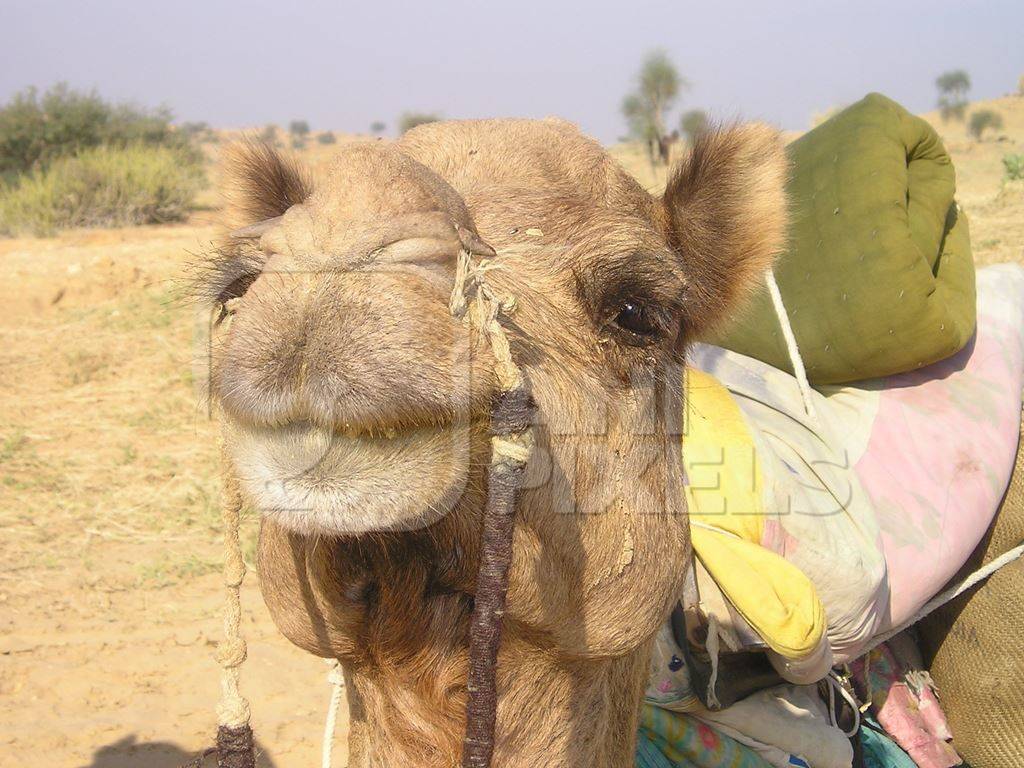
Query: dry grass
{"type": "Point", "coordinates": [102, 187]}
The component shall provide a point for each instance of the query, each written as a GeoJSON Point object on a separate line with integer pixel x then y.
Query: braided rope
{"type": "Point", "coordinates": [234, 745]}
{"type": "Point", "coordinates": [337, 682]}
{"type": "Point", "coordinates": [234, 735]}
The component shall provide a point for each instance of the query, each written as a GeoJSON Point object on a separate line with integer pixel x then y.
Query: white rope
{"type": "Point", "coordinates": [337, 683]}
{"type": "Point", "coordinates": [835, 684]}
{"type": "Point", "coordinates": [950, 594]}
{"type": "Point", "coordinates": [711, 646]}
{"type": "Point", "coordinates": [233, 709]}
{"type": "Point", "coordinates": [791, 346]}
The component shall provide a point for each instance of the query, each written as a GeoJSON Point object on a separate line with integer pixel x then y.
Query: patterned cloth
{"type": "Point", "coordinates": [670, 740]}
{"type": "Point", "coordinates": [880, 751]}
{"type": "Point", "coordinates": [907, 708]}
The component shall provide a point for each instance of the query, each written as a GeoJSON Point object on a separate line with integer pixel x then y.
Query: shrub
{"type": "Point", "coordinates": [269, 135]}
{"type": "Point", "coordinates": [199, 131]}
{"type": "Point", "coordinates": [694, 123]}
{"type": "Point", "coordinates": [378, 127]}
{"type": "Point", "coordinates": [298, 128]}
{"type": "Point", "coordinates": [410, 120]}
{"type": "Point", "coordinates": [34, 129]}
{"type": "Point", "coordinates": [982, 120]}
{"type": "Point", "coordinates": [1014, 165]}
{"type": "Point", "coordinates": [103, 186]}
{"type": "Point", "coordinates": [326, 138]}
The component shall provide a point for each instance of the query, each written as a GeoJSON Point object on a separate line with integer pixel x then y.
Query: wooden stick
{"type": "Point", "coordinates": [511, 445]}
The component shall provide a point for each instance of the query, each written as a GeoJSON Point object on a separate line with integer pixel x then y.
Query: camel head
{"type": "Point", "coordinates": [354, 402]}
{"type": "Point", "coordinates": [356, 412]}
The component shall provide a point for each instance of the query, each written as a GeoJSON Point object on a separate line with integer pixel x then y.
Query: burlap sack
{"type": "Point", "coordinates": [975, 648]}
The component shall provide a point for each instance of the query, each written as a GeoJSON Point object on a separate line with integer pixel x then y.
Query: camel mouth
{"type": "Point", "coordinates": [350, 480]}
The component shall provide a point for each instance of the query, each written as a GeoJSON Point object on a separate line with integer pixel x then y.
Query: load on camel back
{"type": "Point", "coordinates": [756, 430]}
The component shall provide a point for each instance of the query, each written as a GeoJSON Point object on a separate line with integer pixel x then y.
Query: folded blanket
{"type": "Point", "coordinates": [831, 528]}
{"type": "Point", "coordinates": [878, 278]}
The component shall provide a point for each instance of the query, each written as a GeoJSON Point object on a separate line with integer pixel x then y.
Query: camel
{"type": "Point", "coordinates": [355, 412]}
{"type": "Point", "coordinates": [355, 416]}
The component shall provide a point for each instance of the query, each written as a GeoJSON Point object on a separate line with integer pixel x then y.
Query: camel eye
{"type": "Point", "coordinates": [236, 288]}
{"type": "Point", "coordinates": [637, 319]}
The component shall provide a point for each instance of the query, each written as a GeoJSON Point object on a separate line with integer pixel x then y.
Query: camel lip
{"type": "Point", "coordinates": [326, 481]}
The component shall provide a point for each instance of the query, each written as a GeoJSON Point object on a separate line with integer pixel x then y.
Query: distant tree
{"type": "Point", "coordinates": [326, 138]}
{"type": "Point", "coordinates": [377, 127]}
{"type": "Point", "coordinates": [646, 108]}
{"type": "Point", "coordinates": [641, 127]}
{"type": "Point", "coordinates": [410, 120]}
{"type": "Point", "coordinates": [299, 129]}
{"type": "Point", "coordinates": [694, 123]}
{"type": "Point", "coordinates": [199, 131]}
{"type": "Point", "coordinates": [981, 121]}
{"type": "Point", "coordinates": [269, 134]}
{"type": "Point", "coordinates": [195, 128]}
{"type": "Point", "coordinates": [953, 87]}
{"type": "Point", "coordinates": [1020, 86]}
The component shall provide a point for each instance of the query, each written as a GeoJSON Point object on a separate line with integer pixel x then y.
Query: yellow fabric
{"type": "Point", "coordinates": [724, 490]}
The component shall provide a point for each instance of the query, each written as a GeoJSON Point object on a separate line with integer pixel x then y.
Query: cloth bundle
{"type": "Point", "coordinates": [813, 533]}
{"type": "Point", "coordinates": [878, 278]}
{"type": "Point", "coordinates": [833, 527]}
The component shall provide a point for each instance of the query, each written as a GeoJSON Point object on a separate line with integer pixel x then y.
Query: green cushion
{"type": "Point", "coordinates": [878, 277]}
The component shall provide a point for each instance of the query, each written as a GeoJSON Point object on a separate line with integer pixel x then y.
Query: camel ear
{"type": "Point", "coordinates": [725, 204]}
{"type": "Point", "coordinates": [260, 184]}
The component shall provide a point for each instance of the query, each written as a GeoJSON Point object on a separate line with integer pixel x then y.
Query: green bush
{"type": "Point", "coordinates": [199, 131]}
{"type": "Point", "coordinates": [327, 137]}
{"type": "Point", "coordinates": [102, 187]}
{"type": "Point", "coordinates": [1014, 165]}
{"type": "Point", "coordinates": [982, 120]}
{"type": "Point", "coordinates": [410, 120]}
{"type": "Point", "coordinates": [35, 130]}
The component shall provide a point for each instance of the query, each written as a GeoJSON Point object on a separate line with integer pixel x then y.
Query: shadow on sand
{"type": "Point", "coordinates": [130, 753]}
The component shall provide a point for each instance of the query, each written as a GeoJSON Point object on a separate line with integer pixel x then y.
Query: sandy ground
{"type": "Point", "coordinates": [109, 592]}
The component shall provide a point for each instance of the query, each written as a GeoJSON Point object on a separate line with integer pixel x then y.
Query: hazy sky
{"type": "Point", "coordinates": [342, 65]}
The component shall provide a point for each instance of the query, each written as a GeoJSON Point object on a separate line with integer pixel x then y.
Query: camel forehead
{"type": "Point", "coordinates": [549, 153]}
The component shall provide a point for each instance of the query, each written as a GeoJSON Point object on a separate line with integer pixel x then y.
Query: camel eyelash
{"type": "Point", "coordinates": [223, 274]}
{"type": "Point", "coordinates": [237, 288]}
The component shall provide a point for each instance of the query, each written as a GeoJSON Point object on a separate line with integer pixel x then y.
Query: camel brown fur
{"type": "Point", "coordinates": [356, 407]}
